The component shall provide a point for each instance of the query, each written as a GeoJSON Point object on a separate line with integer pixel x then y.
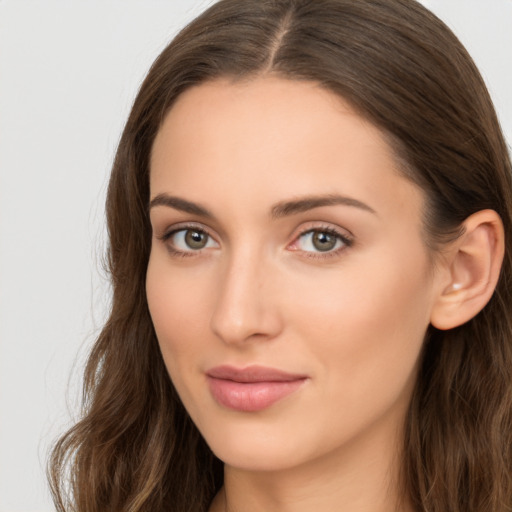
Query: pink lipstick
{"type": "Point", "coordinates": [253, 388]}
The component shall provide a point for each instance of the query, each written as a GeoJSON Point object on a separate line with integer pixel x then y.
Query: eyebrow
{"type": "Point", "coordinates": [304, 204]}
{"type": "Point", "coordinates": [279, 210]}
{"type": "Point", "coordinates": [180, 204]}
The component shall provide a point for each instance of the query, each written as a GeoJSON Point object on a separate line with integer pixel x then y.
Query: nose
{"type": "Point", "coordinates": [246, 306]}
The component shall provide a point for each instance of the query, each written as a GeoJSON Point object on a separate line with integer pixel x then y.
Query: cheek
{"type": "Point", "coordinates": [178, 307]}
{"type": "Point", "coordinates": [365, 326]}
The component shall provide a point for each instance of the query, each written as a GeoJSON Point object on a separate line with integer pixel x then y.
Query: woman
{"type": "Point", "coordinates": [310, 218]}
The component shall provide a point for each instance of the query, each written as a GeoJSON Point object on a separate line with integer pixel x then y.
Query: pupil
{"type": "Point", "coordinates": [195, 239]}
{"type": "Point", "coordinates": [324, 241]}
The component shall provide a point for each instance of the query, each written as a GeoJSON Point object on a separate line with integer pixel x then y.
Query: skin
{"type": "Point", "coordinates": [352, 319]}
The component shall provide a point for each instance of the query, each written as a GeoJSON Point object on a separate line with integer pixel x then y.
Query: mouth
{"type": "Point", "coordinates": [253, 388]}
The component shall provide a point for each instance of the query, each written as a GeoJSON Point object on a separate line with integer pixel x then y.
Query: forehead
{"type": "Point", "coordinates": [272, 137]}
{"type": "Point", "coordinates": [262, 109]}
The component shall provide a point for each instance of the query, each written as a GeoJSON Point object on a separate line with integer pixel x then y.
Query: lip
{"type": "Point", "coordinates": [253, 388]}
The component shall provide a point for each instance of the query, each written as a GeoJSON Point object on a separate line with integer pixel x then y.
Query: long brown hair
{"type": "Point", "coordinates": [136, 449]}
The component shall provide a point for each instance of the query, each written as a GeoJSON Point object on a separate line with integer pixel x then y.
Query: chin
{"type": "Point", "coordinates": [260, 444]}
{"type": "Point", "coordinates": [255, 456]}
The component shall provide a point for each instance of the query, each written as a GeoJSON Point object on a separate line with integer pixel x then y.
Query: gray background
{"type": "Point", "coordinates": [69, 71]}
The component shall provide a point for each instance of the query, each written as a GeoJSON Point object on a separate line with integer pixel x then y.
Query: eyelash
{"type": "Point", "coordinates": [347, 241]}
{"type": "Point", "coordinates": [184, 227]}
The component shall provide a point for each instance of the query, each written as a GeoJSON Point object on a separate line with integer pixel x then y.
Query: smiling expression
{"type": "Point", "coordinates": [287, 255]}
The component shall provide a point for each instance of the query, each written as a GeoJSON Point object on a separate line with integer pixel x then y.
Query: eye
{"type": "Point", "coordinates": [189, 240]}
{"type": "Point", "coordinates": [321, 241]}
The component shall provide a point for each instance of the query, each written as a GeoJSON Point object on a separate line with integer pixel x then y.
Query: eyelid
{"type": "Point", "coordinates": [170, 230]}
{"type": "Point", "coordinates": [343, 234]}
{"type": "Point", "coordinates": [184, 226]}
{"type": "Point", "coordinates": [346, 237]}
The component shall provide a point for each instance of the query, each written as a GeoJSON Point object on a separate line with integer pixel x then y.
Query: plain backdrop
{"type": "Point", "coordinates": [69, 71]}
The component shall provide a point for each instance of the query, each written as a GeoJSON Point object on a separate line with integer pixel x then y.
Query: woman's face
{"type": "Point", "coordinates": [289, 284]}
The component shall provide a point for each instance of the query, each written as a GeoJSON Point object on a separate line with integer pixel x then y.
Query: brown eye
{"type": "Point", "coordinates": [323, 241]}
{"type": "Point", "coordinates": [196, 239]}
{"type": "Point", "coordinates": [189, 240]}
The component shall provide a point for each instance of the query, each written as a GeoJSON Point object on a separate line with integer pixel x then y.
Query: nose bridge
{"type": "Point", "coordinates": [245, 307]}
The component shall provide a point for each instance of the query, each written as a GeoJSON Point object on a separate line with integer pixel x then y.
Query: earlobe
{"type": "Point", "coordinates": [473, 265]}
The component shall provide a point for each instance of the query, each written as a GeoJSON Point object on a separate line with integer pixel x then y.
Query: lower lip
{"type": "Point", "coordinates": [251, 396]}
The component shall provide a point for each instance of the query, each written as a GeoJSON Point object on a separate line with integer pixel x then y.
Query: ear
{"type": "Point", "coordinates": [470, 271]}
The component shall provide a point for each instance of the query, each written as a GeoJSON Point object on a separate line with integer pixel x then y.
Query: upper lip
{"type": "Point", "coordinates": [253, 373]}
